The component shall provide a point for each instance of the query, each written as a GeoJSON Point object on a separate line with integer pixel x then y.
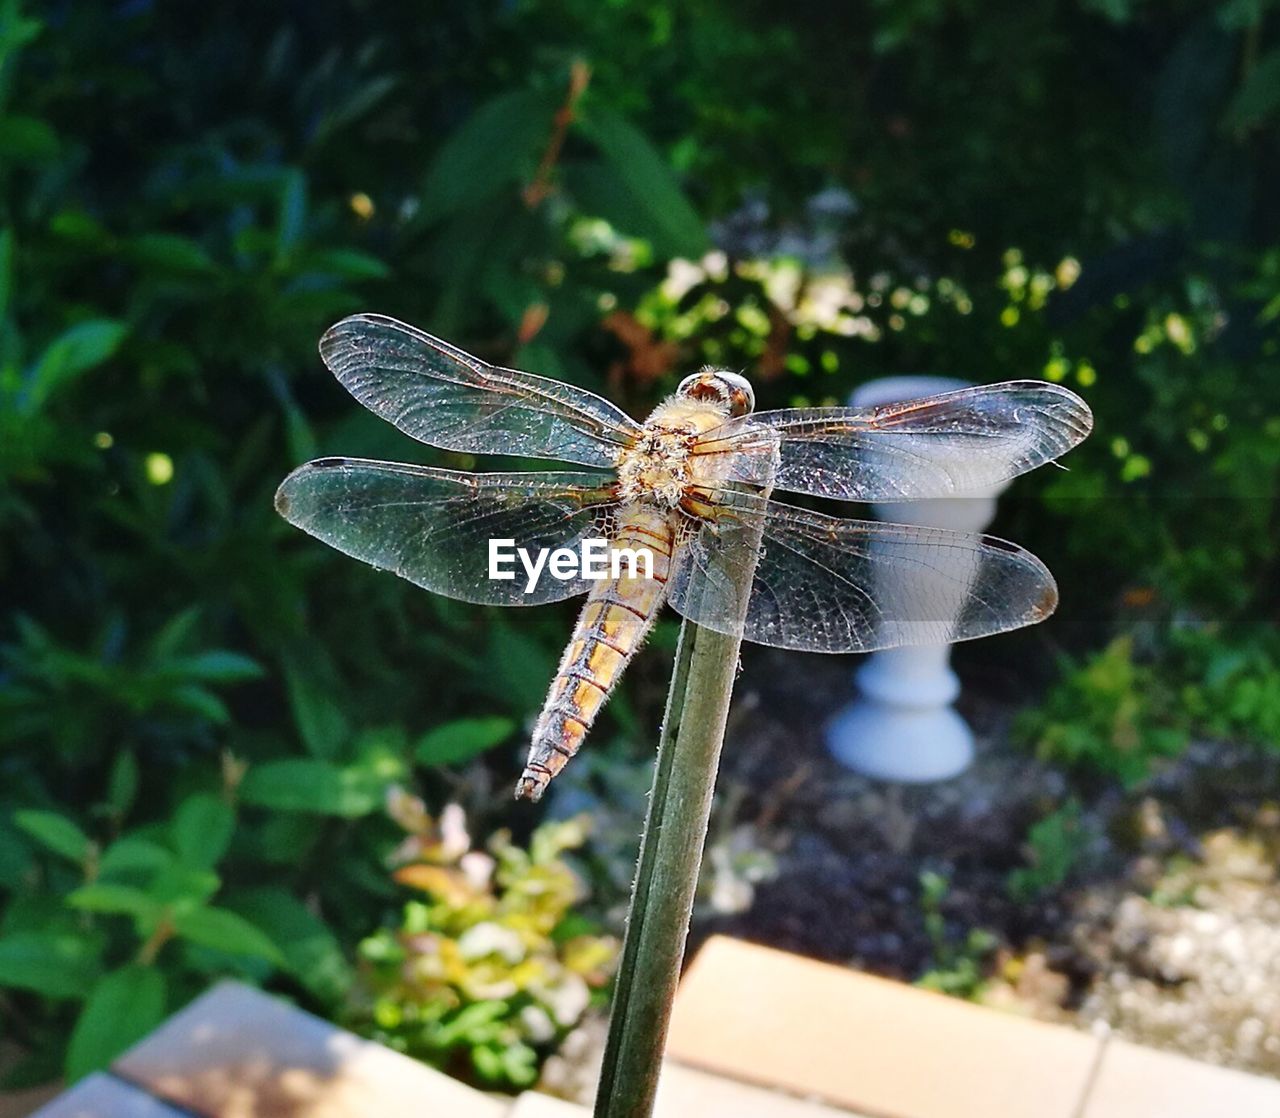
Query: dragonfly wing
{"type": "Point", "coordinates": [446, 398]}
{"type": "Point", "coordinates": [823, 584]}
{"type": "Point", "coordinates": [954, 443]}
{"type": "Point", "coordinates": [433, 527]}
{"type": "Point", "coordinates": [710, 568]}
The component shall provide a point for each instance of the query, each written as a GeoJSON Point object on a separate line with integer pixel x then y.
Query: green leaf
{"type": "Point", "coordinates": [15, 32]}
{"type": "Point", "coordinates": [131, 855]}
{"type": "Point", "coordinates": [293, 212]}
{"type": "Point", "coordinates": [175, 633]}
{"type": "Point", "coordinates": [122, 785]}
{"type": "Point", "coordinates": [25, 139]}
{"type": "Point", "coordinates": [311, 951]}
{"type": "Point", "coordinates": [56, 832]}
{"type": "Point", "coordinates": [347, 263]}
{"type": "Point", "coordinates": [54, 964]}
{"type": "Point", "coordinates": [122, 1008]}
{"type": "Point", "coordinates": [225, 931]}
{"type": "Point", "coordinates": [114, 900]}
{"type": "Point", "coordinates": [487, 1062]}
{"type": "Point", "coordinates": [202, 830]}
{"type": "Point", "coordinates": [320, 721]}
{"type": "Point", "coordinates": [76, 351]}
{"type": "Point", "coordinates": [183, 887]}
{"type": "Point", "coordinates": [1117, 11]}
{"type": "Point", "coordinates": [600, 190]}
{"type": "Point", "coordinates": [472, 1019]}
{"type": "Point", "coordinates": [674, 227]}
{"type": "Point", "coordinates": [285, 838]}
{"type": "Point", "coordinates": [6, 269]}
{"type": "Point", "coordinates": [459, 741]}
{"type": "Point", "coordinates": [1259, 96]}
{"type": "Point", "coordinates": [76, 225]}
{"type": "Point", "coordinates": [544, 358]}
{"type": "Point", "coordinates": [15, 858]}
{"type": "Point", "coordinates": [168, 252]}
{"type": "Point", "coordinates": [522, 664]}
{"type": "Point", "coordinates": [493, 149]}
{"type": "Point", "coordinates": [1236, 15]}
{"type": "Point", "coordinates": [356, 105]}
{"type": "Point", "coordinates": [218, 666]}
{"type": "Point", "coordinates": [520, 1064]}
{"type": "Point", "coordinates": [201, 701]}
{"type": "Point", "coordinates": [301, 435]}
{"type": "Point", "coordinates": [302, 784]}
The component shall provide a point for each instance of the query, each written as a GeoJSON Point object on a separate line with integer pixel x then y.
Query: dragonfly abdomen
{"type": "Point", "coordinates": [612, 626]}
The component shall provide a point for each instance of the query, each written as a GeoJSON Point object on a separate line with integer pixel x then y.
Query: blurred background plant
{"type": "Point", "coordinates": [494, 967]}
{"type": "Point", "coordinates": [201, 712]}
{"type": "Point", "coordinates": [958, 963]}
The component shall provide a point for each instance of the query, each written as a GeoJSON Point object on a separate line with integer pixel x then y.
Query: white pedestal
{"type": "Point", "coordinates": [902, 726]}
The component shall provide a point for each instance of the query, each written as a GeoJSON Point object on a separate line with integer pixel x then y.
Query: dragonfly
{"type": "Point", "coordinates": [692, 486]}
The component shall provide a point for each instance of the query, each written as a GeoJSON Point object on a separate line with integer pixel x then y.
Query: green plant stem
{"type": "Point", "coordinates": [675, 830]}
{"type": "Point", "coordinates": [667, 876]}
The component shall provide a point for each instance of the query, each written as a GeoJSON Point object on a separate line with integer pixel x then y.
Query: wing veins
{"type": "Point", "coordinates": [445, 397]}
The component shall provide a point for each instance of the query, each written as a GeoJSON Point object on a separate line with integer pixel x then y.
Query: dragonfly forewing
{"type": "Point", "coordinates": [939, 446]}
{"type": "Point", "coordinates": [446, 398]}
{"type": "Point", "coordinates": [433, 527]}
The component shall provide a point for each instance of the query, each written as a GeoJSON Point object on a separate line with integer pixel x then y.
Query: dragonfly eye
{"type": "Point", "coordinates": [742, 398]}
{"type": "Point", "coordinates": [720, 387]}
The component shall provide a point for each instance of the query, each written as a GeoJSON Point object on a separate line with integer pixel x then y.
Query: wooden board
{"type": "Point", "coordinates": [236, 1052]}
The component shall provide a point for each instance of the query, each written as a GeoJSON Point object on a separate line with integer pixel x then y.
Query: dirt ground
{"type": "Point", "coordinates": [1167, 930]}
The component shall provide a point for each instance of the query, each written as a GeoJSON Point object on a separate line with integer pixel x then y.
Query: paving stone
{"type": "Point", "coordinates": [686, 1091]}
{"type": "Point", "coordinates": [105, 1096]}
{"type": "Point", "coordinates": [1138, 1082]}
{"type": "Point", "coordinates": [236, 1052]}
{"type": "Point", "coordinates": [534, 1105]}
{"type": "Point", "coordinates": [869, 1044]}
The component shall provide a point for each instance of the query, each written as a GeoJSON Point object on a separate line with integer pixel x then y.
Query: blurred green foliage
{"type": "Point", "coordinates": [1055, 845]}
{"type": "Point", "coordinates": [1118, 715]}
{"type": "Point", "coordinates": [201, 711]}
{"type": "Point", "coordinates": [494, 967]}
{"type": "Point", "coordinates": [1231, 689]}
{"type": "Point", "coordinates": [959, 965]}
{"type": "Point", "coordinates": [1108, 715]}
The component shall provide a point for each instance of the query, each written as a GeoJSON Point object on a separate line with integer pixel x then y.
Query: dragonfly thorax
{"type": "Point", "coordinates": [656, 468]}
{"type": "Point", "coordinates": [665, 460]}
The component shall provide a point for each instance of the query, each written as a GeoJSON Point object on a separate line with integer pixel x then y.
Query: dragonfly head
{"type": "Point", "coordinates": [719, 386]}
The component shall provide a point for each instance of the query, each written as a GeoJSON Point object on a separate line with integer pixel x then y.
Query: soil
{"type": "Point", "coordinates": [1167, 929]}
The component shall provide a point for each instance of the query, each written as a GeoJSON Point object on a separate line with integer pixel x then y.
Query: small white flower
{"type": "Point", "coordinates": [453, 831]}
{"type": "Point", "coordinates": [538, 1027]}
{"type": "Point", "coordinates": [490, 939]}
{"type": "Point", "coordinates": [477, 868]}
{"type": "Point", "coordinates": [567, 998]}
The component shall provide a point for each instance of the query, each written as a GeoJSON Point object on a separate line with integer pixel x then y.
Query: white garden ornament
{"type": "Point", "coordinates": [902, 725]}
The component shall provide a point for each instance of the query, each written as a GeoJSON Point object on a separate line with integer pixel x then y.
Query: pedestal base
{"type": "Point", "coordinates": [890, 743]}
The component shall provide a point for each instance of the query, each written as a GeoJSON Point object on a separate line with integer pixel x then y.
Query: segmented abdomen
{"type": "Point", "coordinates": [610, 629]}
